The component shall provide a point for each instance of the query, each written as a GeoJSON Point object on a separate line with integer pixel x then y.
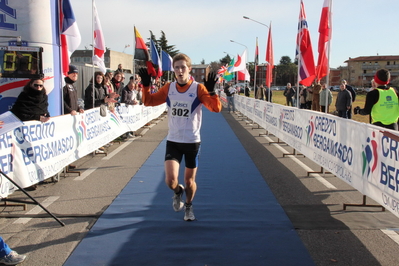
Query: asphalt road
{"type": "Point", "coordinates": [357, 236]}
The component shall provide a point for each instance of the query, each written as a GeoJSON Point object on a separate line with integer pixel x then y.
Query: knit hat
{"type": "Point", "coordinates": [72, 69]}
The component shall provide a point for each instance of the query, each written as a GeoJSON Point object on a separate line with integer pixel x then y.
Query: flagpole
{"type": "Point", "coordinates": [160, 56]}
{"type": "Point", "coordinates": [134, 51]}
{"type": "Point", "coordinates": [270, 65]}
{"type": "Point", "coordinates": [299, 61]}
{"type": "Point", "coordinates": [255, 68]}
{"type": "Point", "coordinates": [329, 49]}
{"type": "Point", "coordinates": [61, 64]}
{"type": "Point", "coordinates": [92, 41]}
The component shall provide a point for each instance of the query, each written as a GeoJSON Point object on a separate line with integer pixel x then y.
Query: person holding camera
{"type": "Point", "coordinates": [382, 103]}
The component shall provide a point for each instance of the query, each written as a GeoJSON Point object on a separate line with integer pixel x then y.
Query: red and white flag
{"type": "Point", "coordinates": [269, 58]}
{"type": "Point", "coordinates": [241, 62]}
{"type": "Point", "coordinates": [99, 42]}
{"type": "Point", "coordinates": [221, 70]}
{"type": "Point", "coordinates": [244, 75]}
{"type": "Point", "coordinates": [304, 51]}
{"type": "Point", "coordinates": [325, 29]}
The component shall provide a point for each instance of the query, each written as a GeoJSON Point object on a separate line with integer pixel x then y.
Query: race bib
{"type": "Point", "coordinates": [180, 109]}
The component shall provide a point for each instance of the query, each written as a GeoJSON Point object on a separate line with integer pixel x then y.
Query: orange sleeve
{"type": "Point", "coordinates": [211, 102]}
{"type": "Point", "coordinates": [156, 98]}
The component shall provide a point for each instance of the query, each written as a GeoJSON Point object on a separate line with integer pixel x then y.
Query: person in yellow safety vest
{"type": "Point", "coordinates": [382, 103]}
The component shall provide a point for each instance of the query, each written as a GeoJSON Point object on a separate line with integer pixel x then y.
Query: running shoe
{"type": "Point", "coordinates": [12, 259]}
{"type": "Point", "coordinates": [188, 212]}
{"type": "Point", "coordinates": [178, 203]}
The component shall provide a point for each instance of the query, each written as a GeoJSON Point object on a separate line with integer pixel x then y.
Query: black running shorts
{"type": "Point", "coordinates": [175, 151]}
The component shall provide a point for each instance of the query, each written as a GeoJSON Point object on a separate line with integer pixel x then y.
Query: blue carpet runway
{"type": "Point", "coordinates": [239, 221]}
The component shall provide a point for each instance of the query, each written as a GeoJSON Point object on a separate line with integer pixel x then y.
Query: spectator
{"type": "Point", "coordinates": [98, 95]}
{"type": "Point", "coordinates": [101, 95]}
{"type": "Point", "coordinates": [137, 78]}
{"type": "Point", "coordinates": [185, 99]}
{"type": "Point", "coordinates": [247, 91]}
{"type": "Point", "coordinates": [316, 97]}
{"type": "Point", "coordinates": [229, 91]}
{"type": "Point", "coordinates": [289, 93]}
{"type": "Point", "coordinates": [382, 103]}
{"type": "Point", "coordinates": [118, 83]}
{"type": "Point", "coordinates": [255, 92]}
{"type": "Point", "coordinates": [131, 93]}
{"type": "Point", "coordinates": [309, 97]}
{"type": "Point", "coordinates": [120, 68]}
{"type": "Point", "coordinates": [325, 98]}
{"type": "Point", "coordinates": [302, 97]}
{"type": "Point", "coordinates": [32, 102]}
{"type": "Point", "coordinates": [344, 101]}
{"type": "Point", "coordinates": [294, 97]}
{"type": "Point", "coordinates": [70, 93]}
{"type": "Point", "coordinates": [268, 92]}
{"type": "Point", "coordinates": [109, 87]}
{"type": "Point", "coordinates": [9, 256]}
{"type": "Point", "coordinates": [261, 93]}
{"type": "Point", "coordinates": [353, 94]}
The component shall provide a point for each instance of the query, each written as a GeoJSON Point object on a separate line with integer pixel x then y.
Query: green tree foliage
{"type": "Point", "coordinates": [162, 42]}
{"type": "Point", "coordinates": [162, 45]}
{"type": "Point", "coordinates": [225, 60]}
{"type": "Point", "coordinates": [215, 66]}
{"type": "Point", "coordinates": [286, 71]}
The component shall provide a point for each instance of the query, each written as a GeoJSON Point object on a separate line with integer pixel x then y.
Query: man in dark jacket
{"type": "Point", "coordinates": [353, 93]}
{"type": "Point", "coordinates": [131, 94]}
{"type": "Point", "coordinates": [70, 93]}
{"type": "Point", "coordinates": [247, 91]}
{"type": "Point", "coordinates": [289, 93]}
{"type": "Point", "coordinates": [344, 102]}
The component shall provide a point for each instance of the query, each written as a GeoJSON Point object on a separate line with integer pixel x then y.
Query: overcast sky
{"type": "Point", "coordinates": [203, 29]}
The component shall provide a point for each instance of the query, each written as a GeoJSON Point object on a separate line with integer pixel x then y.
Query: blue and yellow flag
{"type": "Point", "coordinates": [229, 75]}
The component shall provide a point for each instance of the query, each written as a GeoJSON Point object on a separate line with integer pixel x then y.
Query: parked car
{"type": "Point", "coordinates": [242, 86]}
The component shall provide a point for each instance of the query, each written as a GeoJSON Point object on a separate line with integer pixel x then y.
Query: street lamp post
{"type": "Point", "coordinates": [255, 21]}
{"type": "Point", "coordinates": [245, 48]}
{"type": "Point", "coordinates": [245, 17]}
{"type": "Point", "coordinates": [239, 44]}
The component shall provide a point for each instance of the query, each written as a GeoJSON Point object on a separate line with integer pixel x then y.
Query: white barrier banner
{"type": "Point", "coordinates": [36, 151]}
{"type": "Point", "coordinates": [362, 155]}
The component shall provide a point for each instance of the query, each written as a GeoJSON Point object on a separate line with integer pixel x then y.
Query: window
{"type": "Point", "coordinates": [193, 70]}
{"type": "Point", "coordinates": [388, 63]}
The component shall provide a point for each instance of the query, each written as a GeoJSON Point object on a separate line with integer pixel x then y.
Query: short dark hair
{"type": "Point", "coordinates": [383, 75]}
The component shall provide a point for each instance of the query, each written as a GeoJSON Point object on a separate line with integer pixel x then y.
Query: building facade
{"type": "Point", "coordinates": [198, 72]}
{"type": "Point", "coordinates": [111, 59]}
{"type": "Point", "coordinates": [361, 70]}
